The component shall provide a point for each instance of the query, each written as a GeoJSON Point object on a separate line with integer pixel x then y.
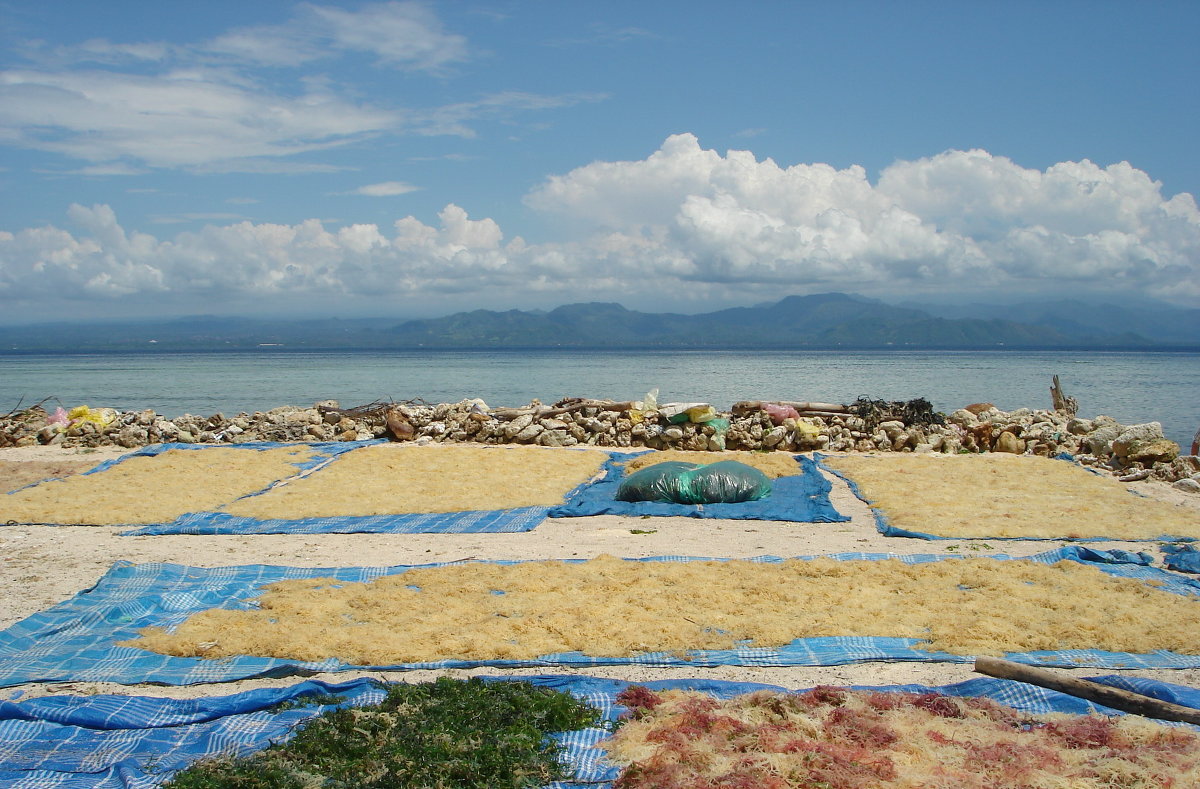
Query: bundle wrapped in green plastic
{"type": "Point", "coordinates": [727, 481]}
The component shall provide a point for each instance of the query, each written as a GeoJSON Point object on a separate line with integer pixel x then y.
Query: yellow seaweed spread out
{"type": "Point", "coordinates": [614, 607]}
{"type": "Point", "coordinates": [1002, 495]}
{"type": "Point", "coordinates": [389, 479]}
{"type": "Point", "coordinates": [154, 489]}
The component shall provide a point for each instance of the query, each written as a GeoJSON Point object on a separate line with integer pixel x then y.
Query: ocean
{"type": "Point", "coordinates": [1132, 387]}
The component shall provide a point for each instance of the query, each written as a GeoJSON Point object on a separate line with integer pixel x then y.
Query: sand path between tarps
{"type": "Point", "coordinates": [44, 565]}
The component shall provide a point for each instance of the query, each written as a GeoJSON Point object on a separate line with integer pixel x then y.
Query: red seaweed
{"type": "Point", "coordinates": [638, 699]}
{"type": "Point", "coordinates": [700, 744]}
{"type": "Point", "coordinates": [859, 727]}
{"type": "Point", "coordinates": [937, 704]}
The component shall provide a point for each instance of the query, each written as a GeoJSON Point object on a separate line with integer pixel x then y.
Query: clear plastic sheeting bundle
{"type": "Point", "coordinates": [727, 481]}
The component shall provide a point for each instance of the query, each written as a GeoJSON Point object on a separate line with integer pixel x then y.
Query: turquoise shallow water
{"type": "Point", "coordinates": [1131, 387]}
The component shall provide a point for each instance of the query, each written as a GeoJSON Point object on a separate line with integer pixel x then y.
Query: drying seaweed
{"type": "Point", "coordinates": [1019, 497]}
{"type": "Point", "coordinates": [27, 420]}
{"type": "Point", "coordinates": [377, 409]}
{"type": "Point", "coordinates": [865, 739]}
{"type": "Point", "coordinates": [609, 607]}
{"type": "Point", "coordinates": [30, 411]}
{"type": "Point", "coordinates": [387, 479]}
{"type": "Point", "coordinates": [471, 734]}
{"type": "Point", "coordinates": [911, 412]}
{"type": "Point", "coordinates": [155, 489]}
{"type": "Point", "coordinates": [774, 465]}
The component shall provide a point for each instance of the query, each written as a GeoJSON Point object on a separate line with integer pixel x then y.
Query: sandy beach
{"type": "Point", "coordinates": [44, 565]}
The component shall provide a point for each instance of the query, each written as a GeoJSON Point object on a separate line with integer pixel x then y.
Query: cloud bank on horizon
{"type": "Point", "coordinates": [683, 217]}
{"type": "Point", "coordinates": [684, 224]}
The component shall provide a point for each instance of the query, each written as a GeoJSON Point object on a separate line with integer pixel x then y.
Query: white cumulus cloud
{"type": "Point", "coordinates": [685, 223]}
{"type": "Point", "coordinates": [99, 259]}
{"type": "Point", "coordinates": [961, 220]}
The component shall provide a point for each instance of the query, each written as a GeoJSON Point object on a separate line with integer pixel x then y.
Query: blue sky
{"type": "Point", "coordinates": [407, 159]}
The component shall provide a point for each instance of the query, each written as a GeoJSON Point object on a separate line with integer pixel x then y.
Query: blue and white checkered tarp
{"type": "Point", "coordinates": [475, 521]}
{"type": "Point", "coordinates": [76, 640]}
{"type": "Point", "coordinates": [518, 519]}
{"type": "Point", "coordinates": [322, 451]}
{"type": "Point", "coordinates": [799, 498]}
{"type": "Point", "coordinates": [138, 742]}
{"type": "Point", "coordinates": [887, 529]}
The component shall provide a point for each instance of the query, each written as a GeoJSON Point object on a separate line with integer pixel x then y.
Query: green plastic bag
{"type": "Point", "coordinates": [660, 482]}
{"type": "Point", "coordinates": [675, 482]}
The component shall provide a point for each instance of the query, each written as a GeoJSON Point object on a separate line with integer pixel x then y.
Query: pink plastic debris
{"type": "Point", "coordinates": [778, 413]}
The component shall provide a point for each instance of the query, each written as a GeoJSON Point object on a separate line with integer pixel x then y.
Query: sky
{"type": "Point", "coordinates": [410, 159]}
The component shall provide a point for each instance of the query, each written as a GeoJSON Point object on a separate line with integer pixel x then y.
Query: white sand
{"type": "Point", "coordinates": [44, 565]}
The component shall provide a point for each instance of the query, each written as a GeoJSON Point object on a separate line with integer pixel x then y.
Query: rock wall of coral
{"type": "Point", "coordinates": [1130, 451]}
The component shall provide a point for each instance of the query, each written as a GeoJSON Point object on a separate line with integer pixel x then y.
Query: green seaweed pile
{"type": "Point", "coordinates": [448, 733]}
{"type": "Point", "coordinates": [911, 412]}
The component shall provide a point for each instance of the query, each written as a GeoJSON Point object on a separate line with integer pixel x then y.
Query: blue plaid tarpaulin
{"type": "Point", "coordinates": [137, 742]}
{"type": "Point", "coordinates": [475, 521]}
{"type": "Point", "coordinates": [799, 498]}
{"type": "Point", "coordinates": [76, 640]}
{"type": "Point", "coordinates": [320, 454]}
{"type": "Point", "coordinates": [323, 451]}
{"type": "Point", "coordinates": [519, 519]}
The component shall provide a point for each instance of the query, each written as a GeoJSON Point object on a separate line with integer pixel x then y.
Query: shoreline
{"type": "Point", "coordinates": [1138, 451]}
{"type": "Point", "coordinates": [45, 565]}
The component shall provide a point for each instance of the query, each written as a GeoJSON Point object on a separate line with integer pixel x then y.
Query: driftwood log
{"type": "Point", "coordinates": [562, 407]}
{"type": "Point", "coordinates": [1118, 699]}
{"type": "Point", "coordinates": [1060, 400]}
{"type": "Point", "coordinates": [376, 409]}
{"type": "Point", "coordinates": [804, 408]}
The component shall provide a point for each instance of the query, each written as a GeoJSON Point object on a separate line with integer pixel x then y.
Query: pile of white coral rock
{"type": "Point", "coordinates": [1129, 451]}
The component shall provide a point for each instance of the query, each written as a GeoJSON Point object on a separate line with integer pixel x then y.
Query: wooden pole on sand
{"type": "Point", "coordinates": [1118, 699]}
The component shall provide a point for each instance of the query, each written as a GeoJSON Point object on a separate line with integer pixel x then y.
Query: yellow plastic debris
{"type": "Point", "coordinates": [806, 429]}
{"type": "Point", "coordinates": [100, 417]}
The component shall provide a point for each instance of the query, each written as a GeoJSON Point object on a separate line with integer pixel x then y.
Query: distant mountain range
{"type": "Point", "coordinates": [1160, 322]}
{"type": "Point", "coordinates": [829, 320]}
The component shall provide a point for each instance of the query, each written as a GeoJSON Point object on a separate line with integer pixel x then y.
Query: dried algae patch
{"type": "Point", "coordinates": [774, 465]}
{"type": "Point", "coordinates": [388, 479]}
{"type": "Point", "coordinates": [17, 474]}
{"type": "Point", "coordinates": [154, 489]}
{"type": "Point", "coordinates": [1001, 495]}
{"type": "Point", "coordinates": [845, 739]}
{"type": "Point", "coordinates": [609, 607]}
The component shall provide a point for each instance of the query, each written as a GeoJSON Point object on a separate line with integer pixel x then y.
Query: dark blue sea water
{"type": "Point", "coordinates": [1131, 387]}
